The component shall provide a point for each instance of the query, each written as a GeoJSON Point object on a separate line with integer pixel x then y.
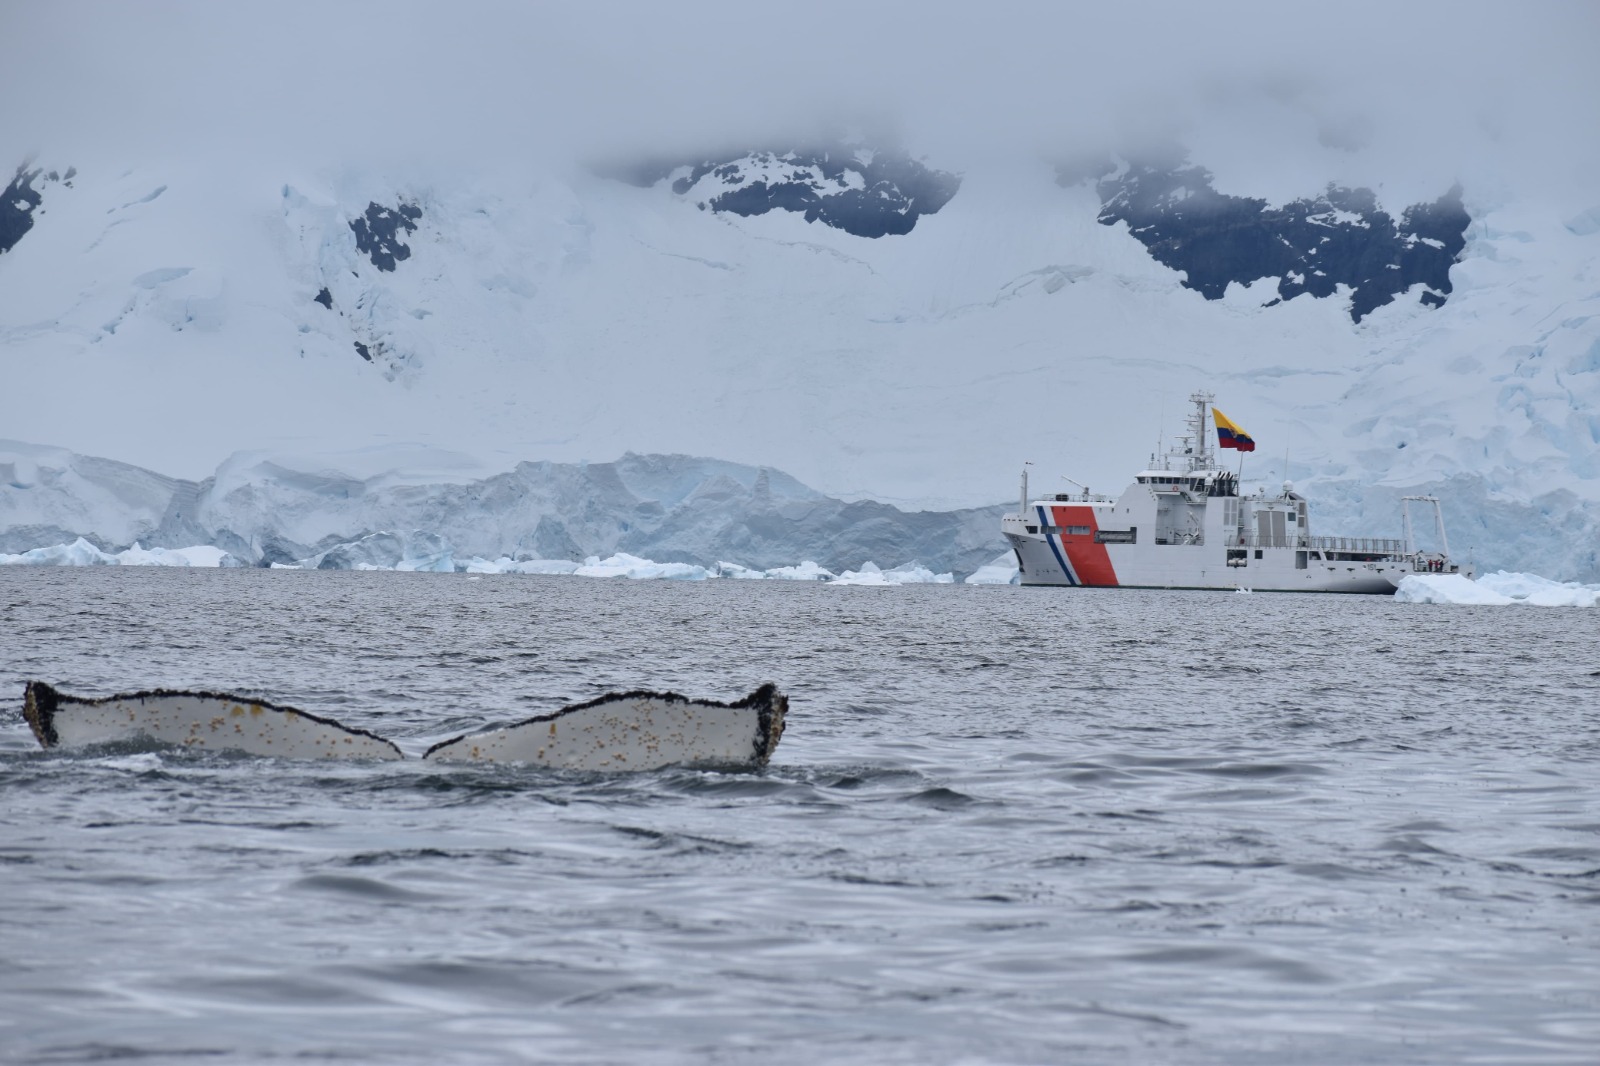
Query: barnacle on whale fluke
{"type": "Point", "coordinates": [618, 731]}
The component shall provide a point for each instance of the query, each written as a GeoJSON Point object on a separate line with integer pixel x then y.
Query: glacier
{"type": "Point", "coordinates": [641, 516]}
{"type": "Point", "coordinates": [320, 353]}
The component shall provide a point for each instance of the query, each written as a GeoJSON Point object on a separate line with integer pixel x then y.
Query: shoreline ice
{"type": "Point", "coordinates": [437, 558]}
{"type": "Point", "coordinates": [81, 553]}
{"type": "Point", "coordinates": [1499, 589]}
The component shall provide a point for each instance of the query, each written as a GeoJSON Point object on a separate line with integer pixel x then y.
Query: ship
{"type": "Point", "coordinates": [1184, 523]}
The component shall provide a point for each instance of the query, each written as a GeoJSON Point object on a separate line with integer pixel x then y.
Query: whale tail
{"type": "Point", "coordinates": [636, 730]}
{"type": "Point", "coordinates": [203, 721]}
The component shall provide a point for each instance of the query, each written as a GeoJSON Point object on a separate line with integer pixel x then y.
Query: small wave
{"type": "Point", "coordinates": [1218, 957]}
{"type": "Point", "coordinates": [364, 888]}
{"type": "Point", "coordinates": [681, 843]}
{"type": "Point", "coordinates": [941, 798]}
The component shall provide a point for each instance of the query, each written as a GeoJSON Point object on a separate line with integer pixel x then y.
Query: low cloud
{"type": "Point", "coordinates": [1414, 94]}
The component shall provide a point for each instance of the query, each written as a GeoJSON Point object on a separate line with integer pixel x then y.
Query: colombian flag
{"type": "Point", "coordinates": [1230, 435]}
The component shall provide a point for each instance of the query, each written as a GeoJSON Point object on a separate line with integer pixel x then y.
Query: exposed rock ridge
{"type": "Point", "coordinates": [1311, 245]}
{"type": "Point", "coordinates": [866, 193]}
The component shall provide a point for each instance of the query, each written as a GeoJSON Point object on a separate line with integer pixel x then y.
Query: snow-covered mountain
{"type": "Point", "coordinates": [879, 324]}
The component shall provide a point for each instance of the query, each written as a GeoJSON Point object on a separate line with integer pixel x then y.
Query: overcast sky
{"type": "Point", "coordinates": [1426, 89]}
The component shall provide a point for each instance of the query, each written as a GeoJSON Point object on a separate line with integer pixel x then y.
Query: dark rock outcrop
{"type": "Point", "coordinates": [864, 193]}
{"type": "Point", "coordinates": [380, 232]}
{"type": "Point", "coordinates": [22, 198]}
{"type": "Point", "coordinates": [1311, 245]}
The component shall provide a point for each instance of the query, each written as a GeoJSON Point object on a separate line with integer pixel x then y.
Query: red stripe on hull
{"type": "Point", "coordinates": [1091, 561]}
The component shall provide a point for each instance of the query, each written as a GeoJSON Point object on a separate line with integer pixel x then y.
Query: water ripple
{"type": "Point", "coordinates": [1004, 825]}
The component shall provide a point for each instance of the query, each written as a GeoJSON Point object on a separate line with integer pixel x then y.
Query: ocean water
{"type": "Point", "coordinates": [1005, 825]}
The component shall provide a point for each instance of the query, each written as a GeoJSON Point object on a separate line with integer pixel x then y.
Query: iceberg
{"type": "Point", "coordinates": [507, 565]}
{"type": "Point", "coordinates": [81, 553]}
{"type": "Point", "coordinates": [423, 552]}
{"type": "Point", "coordinates": [1499, 589]}
{"type": "Point", "coordinates": [806, 571]}
{"type": "Point", "coordinates": [1001, 570]}
{"type": "Point", "coordinates": [873, 576]}
{"type": "Point", "coordinates": [205, 555]}
{"type": "Point", "coordinates": [625, 565]}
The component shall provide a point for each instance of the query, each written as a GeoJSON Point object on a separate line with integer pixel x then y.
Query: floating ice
{"type": "Point", "coordinates": [625, 565]}
{"type": "Point", "coordinates": [199, 555]}
{"type": "Point", "coordinates": [806, 571]}
{"type": "Point", "coordinates": [507, 565]}
{"type": "Point", "coordinates": [907, 574]}
{"type": "Point", "coordinates": [1001, 570]}
{"type": "Point", "coordinates": [1496, 590]}
{"type": "Point", "coordinates": [421, 551]}
{"type": "Point", "coordinates": [81, 553]}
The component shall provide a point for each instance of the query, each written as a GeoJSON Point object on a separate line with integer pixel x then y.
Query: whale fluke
{"type": "Point", "coordinates": [205, 721]}
{"type": "Point", "coordinates": [634, 731]}
{"type": "Point", "coordinates": [618, 731]}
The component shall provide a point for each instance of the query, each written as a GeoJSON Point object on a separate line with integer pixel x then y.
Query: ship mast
{"type": "Point", "coordinates": [1193, 448]}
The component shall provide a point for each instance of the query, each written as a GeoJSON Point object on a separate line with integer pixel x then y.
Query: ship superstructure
{"type": "Point", "coordinates": [1183, 523]}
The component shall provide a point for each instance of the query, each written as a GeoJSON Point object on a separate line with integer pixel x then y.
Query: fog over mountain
{"type": "Point", "coordinates": [890, 250]}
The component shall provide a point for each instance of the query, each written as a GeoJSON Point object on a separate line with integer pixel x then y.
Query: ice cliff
{"type": "Point", "coordinates": [439, 510]}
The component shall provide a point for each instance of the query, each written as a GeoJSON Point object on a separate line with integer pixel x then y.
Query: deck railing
{"type": "Point", "coordinates": [1366, 545]}
{"type": "Point", "coordinates": [1371, 545]}
{"type": "Point", "coordinates": [1234, 539]}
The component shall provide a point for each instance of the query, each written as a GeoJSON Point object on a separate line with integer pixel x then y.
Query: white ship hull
{"type": "Point", "coordinates": [1183, 524]}
{"type": "Point", "coordinates": [1057, 559]}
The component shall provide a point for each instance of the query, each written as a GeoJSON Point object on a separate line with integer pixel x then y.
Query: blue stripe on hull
{"type": "Point", "coordinates": [1044, 522]}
